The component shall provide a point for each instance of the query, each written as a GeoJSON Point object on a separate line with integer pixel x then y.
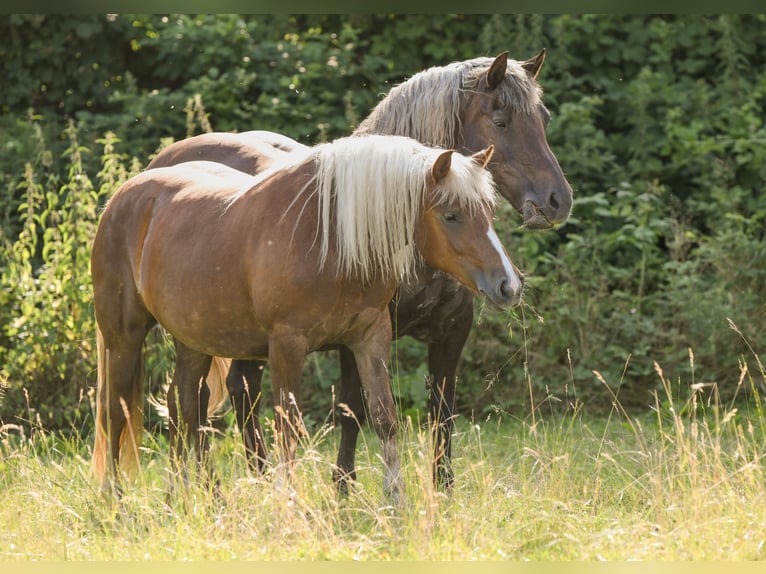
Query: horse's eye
{"type": "Point", "coordinates": [450, 217]}
{"type": "Point", "coordinates": [501, 119]}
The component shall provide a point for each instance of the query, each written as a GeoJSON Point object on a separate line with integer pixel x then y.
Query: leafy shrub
{"type": "Point", "coordinates": [48, 333]}
{"type": "Point", "coordinates": [656, 120]}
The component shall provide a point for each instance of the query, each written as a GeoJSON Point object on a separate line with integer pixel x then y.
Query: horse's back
{"type": "Point", "coordinates": [247, 153]}
{"type": "Point", "coordinates": [275, 140]}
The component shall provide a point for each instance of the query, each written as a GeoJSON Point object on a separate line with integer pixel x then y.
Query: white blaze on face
{"type": "Point", "coordinates": [514, 283]}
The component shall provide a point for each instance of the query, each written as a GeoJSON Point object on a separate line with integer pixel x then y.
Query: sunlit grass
{"type": "Point", "coordinates": [568, 489]}
{"type": "Point", "coordinates": [684, 481]}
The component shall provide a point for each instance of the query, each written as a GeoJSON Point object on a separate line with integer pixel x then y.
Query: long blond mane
{"type": "Point", "coordinates": [372, 189]}
{"type": "Point", "coordinates": [427, 106]}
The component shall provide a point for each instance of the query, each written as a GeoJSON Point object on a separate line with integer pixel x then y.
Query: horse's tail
{"type": "Point", "coordinates": [216, 383]}
{"type": "Point", "coordinates": [100, 456]}
{"type": "Point", "coordinates": [130, 437]}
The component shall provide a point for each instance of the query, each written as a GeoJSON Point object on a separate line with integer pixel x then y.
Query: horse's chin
{"type": "Point", "coordinates": [495, 305]}
{"type": "Point", "coordinates": [533, 218]}
{"type": "Point", "coordinates": [538, 222]}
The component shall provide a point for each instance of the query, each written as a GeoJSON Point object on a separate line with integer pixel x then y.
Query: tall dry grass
{"type": "Point", "coordinates": [685, 481]}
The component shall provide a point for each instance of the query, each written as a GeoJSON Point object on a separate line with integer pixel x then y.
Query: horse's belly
{"type": "Point", "coordinates": [204, 316]}
{"type": "Point", "coordinates": [220, 335]}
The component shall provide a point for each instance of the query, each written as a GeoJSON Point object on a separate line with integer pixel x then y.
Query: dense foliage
{"type": "Point", "coordinates": [657, 120]}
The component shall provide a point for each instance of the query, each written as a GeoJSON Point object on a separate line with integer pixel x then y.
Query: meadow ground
{"type": "Point", "coordinates": [683, 482]}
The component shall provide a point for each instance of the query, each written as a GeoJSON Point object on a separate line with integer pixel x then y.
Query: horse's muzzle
{"type": "Point", "coordinates": [554, 213]}
{"type": "Point", "coordinates": [505, 291]}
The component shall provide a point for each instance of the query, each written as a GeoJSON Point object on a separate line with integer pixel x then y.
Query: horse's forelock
{"type": "Point", "coordinates": [467, 184]}
{"type": "Point", "coordinates": [519, 91]}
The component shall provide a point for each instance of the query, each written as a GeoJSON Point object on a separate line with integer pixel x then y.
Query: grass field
{"type": "Point", "coordinates": [685, 481]}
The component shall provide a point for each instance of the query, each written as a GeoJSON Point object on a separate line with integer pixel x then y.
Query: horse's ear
{"type": "Point", "coordinates": [441, 166]}
{"type": "Point", "coordinates": [497, 70]}
{"type": "Point", "coordinates": [482, 157]}
{"type": "Point", "coordinates": [533, 65]}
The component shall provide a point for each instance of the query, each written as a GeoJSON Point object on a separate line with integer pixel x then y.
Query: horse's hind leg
{"type": "Point", "coordinates": [188, 397]}
{"type": "Point", "coordinates": [352, 416]}
{"type": "Point", "coordinates": [120, 410]}
{"type": "Point", "coordinates": [123, 323]}
{"type": "Point", "coordinates": [244, 385]}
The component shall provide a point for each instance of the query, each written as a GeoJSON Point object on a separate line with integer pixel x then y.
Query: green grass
{"type": "Point", "coordinates": [683, 482]}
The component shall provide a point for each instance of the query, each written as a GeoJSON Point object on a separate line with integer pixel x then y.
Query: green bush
{"type": "Point", "coordinates": [656, 120]}
{"type": "Point", "coordinates": [48, 336]}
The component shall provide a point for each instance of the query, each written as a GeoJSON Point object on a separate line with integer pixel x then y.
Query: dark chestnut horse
{"type": "Point", "coordinates": [462, 105]}
{"type": "Point", "coordinates": [304, 257]}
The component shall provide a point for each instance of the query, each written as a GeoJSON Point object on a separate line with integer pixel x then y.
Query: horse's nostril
{"type": "Point", "coordinates": [505, 289]}
{"type": "Point", "coordinates": [554, 202]}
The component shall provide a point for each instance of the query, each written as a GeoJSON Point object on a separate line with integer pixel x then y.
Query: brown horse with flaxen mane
{"type": "Point", "coordinates": [305, 256]}
{"type": "Point", "coordinates": [463, 105]}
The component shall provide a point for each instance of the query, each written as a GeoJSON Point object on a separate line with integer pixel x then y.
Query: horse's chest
{"type": "Point", "coordinates": [429, 305]}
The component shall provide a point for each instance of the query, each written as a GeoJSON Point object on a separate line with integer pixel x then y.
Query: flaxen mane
{"type": "Point", "coordinates": [373, 187]}
{"type": "Point", "coordinates": [427, 106]}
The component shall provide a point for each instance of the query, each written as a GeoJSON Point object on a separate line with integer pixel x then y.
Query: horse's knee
{"type": "Point", "coordinates": [383, 419]}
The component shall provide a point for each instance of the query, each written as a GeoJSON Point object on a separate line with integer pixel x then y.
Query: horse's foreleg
{"type": "Point", "coordinates": [244, 385]}
{"type": "Point", "coordinates": [372, 362]}
{"type": "Point", "coordinates": [187, 406]}
{"type": "Point", "coordinates": [352, 415]}
{"type": "Point", "coordinates": [443, 357]}
{"type": "Point", "coordinates": [287, 353]}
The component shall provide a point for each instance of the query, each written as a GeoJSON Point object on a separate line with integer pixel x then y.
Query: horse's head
{"type": "Point", "coordinates": [457, 235]}
{"type": "Point", "coordinates": [504, 108]}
